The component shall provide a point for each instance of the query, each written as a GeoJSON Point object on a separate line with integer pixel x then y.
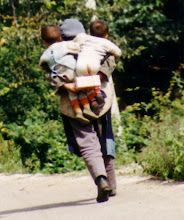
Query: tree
{"type": "Point", "coordinates": [145, 30]}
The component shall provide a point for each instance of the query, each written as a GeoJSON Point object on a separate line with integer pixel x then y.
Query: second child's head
{"type": "Point", "coordinates": [99, 28]}
{"type": "Point", "coordinates": [50, 34]}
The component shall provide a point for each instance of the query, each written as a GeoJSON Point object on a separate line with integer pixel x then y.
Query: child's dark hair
{"type": "Point", "coordinates": [51, 34]}
{"type": "Point", "coordinates": [99, 28]}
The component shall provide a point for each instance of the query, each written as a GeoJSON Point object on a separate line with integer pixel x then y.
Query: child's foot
{"type": "Point", "coordinates": [95, 108]}
{"type": "Point", "coordinates": [82, 119]}
{"type": "Point", "coordinates": [89, 114]}
{"type": "Point", "coordinates": [100, 100]}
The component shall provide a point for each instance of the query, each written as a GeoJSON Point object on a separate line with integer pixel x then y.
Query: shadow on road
{"type": "Point", "coordinates": [50, 206]}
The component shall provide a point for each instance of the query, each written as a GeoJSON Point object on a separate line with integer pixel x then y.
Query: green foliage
{"type": "Point", "coordinates": [32, 137]}
{"type": "Point", "coordinates": [124, 155]}
{"type": "Point", "coordinates": [135, 128]}
{"type": "Point", "coordinates": [29, 109]}
{"type": "Point", "coordinates": [10, 157]}
{"type": "Point", "coordinates": [164, 154]}
{"type": "Point", "coordinates": [159, 134]}
{"type": "Point", "coordinates": [20, 89]}
{"type": "Point", "coordinates": [134, 24]}
{"type": "Point", "coordinates": [42, 144]}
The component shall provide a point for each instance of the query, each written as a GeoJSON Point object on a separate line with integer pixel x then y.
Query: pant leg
{"type": "Point", "coordinates": [110, 169]}
{"type": "Point", "coordinates": [101, 127]}
{"type": "Point", "coordinates": [90, 148]}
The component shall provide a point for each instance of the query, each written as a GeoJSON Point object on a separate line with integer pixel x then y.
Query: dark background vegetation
{"type": "Point", "coordinates": [148, 82]}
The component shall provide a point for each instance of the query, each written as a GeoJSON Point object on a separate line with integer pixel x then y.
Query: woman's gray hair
{"type": "Point", "coordinates": [70, 28]}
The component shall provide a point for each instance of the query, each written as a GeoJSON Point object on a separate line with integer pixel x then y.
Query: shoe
{"type": "Point", "coordinates": [103, 189]}
{"type": "Point", "coordinates": [82, 119]}
{"type": "Point", "coordinates": [100, 100]}
{"type": "Point", "coordinates": [89, 114]}
{"type": "Point", "coordinates": [112, 192]}
{"type": "Point", "coordinates": [95, 108]}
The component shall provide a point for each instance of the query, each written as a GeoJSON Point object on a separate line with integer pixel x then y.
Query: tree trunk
{"type": "Point", "coordinates": [13, 11]}
{"type": "Point", "coordinates": [28, 9]}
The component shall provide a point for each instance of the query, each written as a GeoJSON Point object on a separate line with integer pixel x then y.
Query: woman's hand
{"type": "Point", "coordinates": [71, 87]}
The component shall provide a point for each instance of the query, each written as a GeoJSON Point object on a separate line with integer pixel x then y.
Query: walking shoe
{"type": "Point", "coordinates": [103, 189]}
{"type": "Point", "coordinates": [112, 192]}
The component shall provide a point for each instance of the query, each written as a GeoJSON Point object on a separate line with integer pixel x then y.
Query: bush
{"type": "Point", "coordinates": [134, 127]}
{"type": "Point", "coordinates": [163, 156]}
{"type": "Point", "coordinates": [42, 144]}
{"type": "Point", "coordinates": [124, 155]}
{"type": "Point", "coordinates": [156, 130]}
{"type": "Point", "coordinates": [10, 158]}
{"type": "Point", "coordinates": [33, 135]}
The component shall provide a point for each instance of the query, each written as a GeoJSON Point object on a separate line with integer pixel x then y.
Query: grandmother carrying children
{"type": "Point", "coordinates": [70, 54]}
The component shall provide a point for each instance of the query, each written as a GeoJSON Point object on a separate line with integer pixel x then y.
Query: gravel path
{"type": "Point", "coordinates": [73, 197]}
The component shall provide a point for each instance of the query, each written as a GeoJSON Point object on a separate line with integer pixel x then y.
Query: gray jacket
{"type": "Point", "coordinates": [106, 86]}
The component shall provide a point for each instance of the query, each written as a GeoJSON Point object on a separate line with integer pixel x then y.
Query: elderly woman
{"type": "Point", "coordinates": [93, 141]}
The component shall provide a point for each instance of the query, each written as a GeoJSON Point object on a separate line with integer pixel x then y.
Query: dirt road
{"type": "Point", "coordinates": [62, 197]}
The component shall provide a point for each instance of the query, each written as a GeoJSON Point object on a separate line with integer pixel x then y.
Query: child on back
{"type": "Point", "coordinates": [58, 60]}
{"type": "Point", "coordinates": [93, 49]}
{"type": "Point", "coordinates": [99, 29]}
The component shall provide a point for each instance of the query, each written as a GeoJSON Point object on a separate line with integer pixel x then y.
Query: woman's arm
{"type": "Point", "coordinates": [70, 86]}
